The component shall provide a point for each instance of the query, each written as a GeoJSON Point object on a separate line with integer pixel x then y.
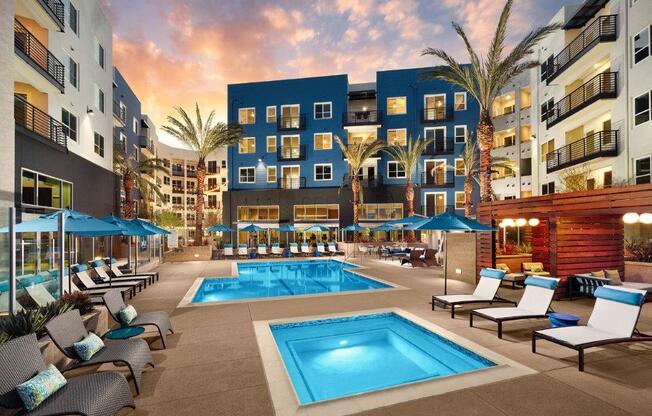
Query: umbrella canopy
{"type": "Point", "coordinates": [449, 222]}
{"type": "Point", "coordinates": [286, 228]}
{"type": "Point", "coordinates": [414, 219]}
{"type": "Point", "coordinates": [219, 228]}
{"type": "Point", "coordinates": [355, 227]}
{"type": "Point", "coordinates": [385, 227]}
{"type": "Point", "coordinates": [127, 227]}
{"type": "Point", "coordinates": [75, 223]}
{"type": "Point", "coordinates": [252, 228]}
{"type": "Point", "coordinates": [148, 226]}
{"type": "Point", "coordinates": [317, 227]}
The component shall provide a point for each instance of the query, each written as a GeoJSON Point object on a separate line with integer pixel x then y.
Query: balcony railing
{"type": "Point", "coordinates": [291, 122]}
{"type": "Point", "coordinates": [435, 114]}
{"type": "Point", "coordinates": [438, 179]}
{"type": "Point", "coordinates": [31, 118]}
{"type": "Point", "coordinates": [441, 146]}
{"type": "Point", "coordinates": [604, 85]}
{"type": "Point", "coordinates": [30, 48]}
{"type": "Point", "coordinates": [191, 173]}
{"type": "Point", "coordinates": [291, 153]}
{"type": "Point", "coordinates": [120, 112]}
{"type": "Point", "coordinates": [361, 118]}
{"type": "Point", "coordinates": [292, 183]}
{"type": "Point", "coordinates": [177, 172]}
{"type": "Point", "coordinates": [56, 8]}
{"type": "Point", "coordinates": [177, 189]}
{"type": "Point", "coordinates": [599, 144]}
{"type": "Point", "coordinates": [365, 181]}
{"type": "Point", "coordinates": [603, 29]}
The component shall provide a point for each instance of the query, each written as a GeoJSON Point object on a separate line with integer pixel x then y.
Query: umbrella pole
{"type": "Point", "coordinates": [445, 263]}
{"type": "Point", "coordinates": [12, 260]}
{"type": "Point", "coordinates": [136, 258]}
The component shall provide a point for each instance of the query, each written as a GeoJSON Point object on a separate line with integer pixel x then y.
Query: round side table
{"type": "Point", "coordinates": [124, 333]}
{"type": "Point", "coordinates": [560, 320]}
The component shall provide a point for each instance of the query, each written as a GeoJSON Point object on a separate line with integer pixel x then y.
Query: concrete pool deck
{"type": "Point", "coordinates": [213, 364]}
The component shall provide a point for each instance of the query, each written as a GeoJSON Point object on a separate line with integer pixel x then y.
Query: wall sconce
{"type": "Point", "coordinates": [633, 218]}
{"type": "Point", "coordinates": [521, 222]}
{"type": "Point", "coordinates": [533, 222]}
{"type": "Point", "coordinates": [90, 111]}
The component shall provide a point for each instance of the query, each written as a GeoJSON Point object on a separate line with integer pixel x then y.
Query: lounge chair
{"type": "Point", "coordinates": [294, 249]}
{"type": "Point", "coordinates": [305, 249]}
{"type": "Point", "coordinates": [68, 328]}
{"type": "Point", "coordinates": [118, 273]}
{"type": "Point", "coordinates": [414, 259]}
{"type": "Point", "coordinates": [99, 394]}
{"type": "Point", "coordinates": [161, 320]}
{"type": "Point", "coordinates": [40, 294]}
{"type": "Point", "coordinates": [228, 250]}
{"type": "Point", "coordinates": [98, 267]}
{"type": "Point", "coordinates": [534, 304]}
{"type": "Point", "coordinates": [95, 294]}
{"type": "Point", "coordinates": [511, 278]}
{"type": "Point", "coordinates": [534, 269]}
{"type": "Point", "coordinates": [81, 271]}
{"type": "Point", "coordinates": [262, 250]}
{"type": "Point", "coordinates": [613, 321]}
{"type": "Point", "coordinates": [243, 251]}
{"type": "Point", "coordinates": [332, 247]}
{"type": "Point", "coordinates": [430, 257]}
{"type": "Point", "coordinates": [276, 250]}
{"type": "Point", "coordinates": [485, 292]}
{"type": "Point", "coordinates": [321, 249]}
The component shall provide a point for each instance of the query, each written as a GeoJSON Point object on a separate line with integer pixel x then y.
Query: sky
{"type": "Point", "coordinates": [178, 52]}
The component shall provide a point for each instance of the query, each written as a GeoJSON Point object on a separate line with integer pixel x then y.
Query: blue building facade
{"type": "Point", "coordinates": [289, 168]}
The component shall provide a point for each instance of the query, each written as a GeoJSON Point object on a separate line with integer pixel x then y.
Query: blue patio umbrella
{"type": "Point", "coordinates": [354, 227]}
{"type": "Point", "coordinates": [413, 219]}
{"type": "Point", "coordinates": [385, 227]}
{"type": "Point", "coordinates": [150, 227]}
{"type": "Point", "coordinates": [317, 227]}
{"type": "Point", "coordinates": [287, 229]}
{"type": "Point", "coordinates": [448, 222]}
{"type": "Point", "coordinates": [76, 223]}
{"type": "Point", "coordinates": [252, 228]}
{"type": "Point", "coordinates": [219, 228]}
{"type": "Point", "coordinates": [127, 228]}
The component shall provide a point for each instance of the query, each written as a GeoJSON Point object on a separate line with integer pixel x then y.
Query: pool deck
{"type": "Point", "coordinates": [213, 365]}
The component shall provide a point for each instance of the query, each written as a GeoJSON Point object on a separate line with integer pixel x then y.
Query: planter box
{"type": "Point", "coordinates": [636, 271]}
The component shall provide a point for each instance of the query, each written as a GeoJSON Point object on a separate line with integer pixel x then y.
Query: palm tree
{"type": "Point", "coordinates": [408, 157]}
{"type": "Point", "coordinates": [136, 174]}
{"type": "Point", "coordinates": [483, 78]}
{"type": "Point", "coordinates": [204, 138]}
{"type": "Point", "coordinates": [356, 154]}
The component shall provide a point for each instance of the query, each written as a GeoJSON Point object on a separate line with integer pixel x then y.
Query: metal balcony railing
{"type": "Point", "coordinates": [603, 29]}
{"type": "Point", "coordinates": [291, 122]}
{"type": "Point", "coordinates": [177, 172]}
{"type": "Point", "coordinates": [33, 50]}
{"type": "Point", "coordinates": [365, 181]}
{"type": "Point", "coordinates": [604, 85]}
{"type": "Point", "coordinates": [440, 178]}
{"type": "Point", "coordinates": [31, 118]}
{"type": "Point", "coordinates": [292, 183]}
{"type": "Point", "coordinates": [441, 146]}
{"type": "Point", "coordinates": [435, 114]}
{"type": "Point", "coordinates": [291, 153]}
{"type": "Point", "coordinates": [55, 7]}
{"type": "Point", "coordinates": [177, 189]}
{"type": "Point", "coordinates": [599, 144]}
{"type": "Point", "coordinates": [361, 118]}
{"type": "Point", "coordinates": [191, 173]}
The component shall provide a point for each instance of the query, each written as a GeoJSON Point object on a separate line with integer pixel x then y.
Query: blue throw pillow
{"type": "Point", "coordinates": [34, 391]}
{"type": "Point", "coordinates": [128, 314]}
{"type": "Point", "coordinates": [88, 347]}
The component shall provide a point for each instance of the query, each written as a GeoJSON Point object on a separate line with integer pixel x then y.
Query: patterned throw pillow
{"type": "Point", "coordinates": [614, 276]}
{"type": "Point", "coordinates": [88, 347]}
{"type": "Point", "coordinates": [536, 268]}
{"type": "Point", "coordinates": [128, 314]}
{"type": "Point", "coordinates": [34, 391]}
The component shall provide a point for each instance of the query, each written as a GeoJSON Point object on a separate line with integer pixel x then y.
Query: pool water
{"type": "Point", "coordinates": [284, 278]}
{"type": "Point", "coordinates": [333, 358]}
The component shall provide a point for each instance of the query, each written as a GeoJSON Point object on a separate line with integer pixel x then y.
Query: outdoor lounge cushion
{"type": "Point", "coordinates": [599, 273]}
{"type": "Point", "coordinates": [34, 391]}
{"type": "Point", "coordinates": [79, 268]}
{"type": "Point", "coordinates": [88, 347]}
{"type": "Point", "coordinates": [128, 314]}
{"type": "Point", "coordinates": [503, 267]}
{"type": "Point", "coordinates": [97, 263]}
{"type": "Point", "coordinates": [614, 276]}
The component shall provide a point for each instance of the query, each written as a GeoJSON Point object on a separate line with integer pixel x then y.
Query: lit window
{"type": "Point", "coordinates": [69, 122]}
{"type": "Point", "coordinates": [460, 200]}
{"type": "Point", "coordinates": [323, 141]}
{"type": "Point", "coordinates": [641, 45]}
{"type": "Point", "coordinates": [546, 148]}
{"type": "Point", "coordinates": [247, 175]}
{"type": "Point", "coordinates": [323, 111]}
{"type": "Point", "coordinates": [271, 174]}
{"type": "Point", "coordinates": [396, 105]}
{"type": "Point", "coordinates": [45, 191]}
{"type": "Point", "coordinates": [135, 125]}
{"type": "Point", "coordinates": [547, 109]}
{"type": "Point", "coordinates": [247, 115]}
{"type": "Point", "coordinates": [324, 172]}
{"type": "Point", "coordinates": [395, 170]}
{"type": "Point", "coordinates": [642, 170]}
{"type": "Point", "coordinates": [397, 137]}
{"type": "Point", "coordinates": [460, 170]}
{"type": "Point", "coordinates": [271, 114]}
{"type": "Point", "coordinates": [460, 134]}
{"type": "Point", "coordinates": [247, 145]}
{"type": "Point", "coordinates": [99, 144]}
{"type": "Point", "coordinates": [642, 109]}
{"type": "Point", "coordinates": [271, 144]}
{"type": "Point", "coordinates": [460, 101]}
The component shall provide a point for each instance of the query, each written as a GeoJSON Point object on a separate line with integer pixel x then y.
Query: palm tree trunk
{"type": "Point", "coordinates": [409, 199]}
{"type": "Point", "coordinates": [128, 186]}
{"type": "Point", "coordinates": [355, 188]}
{"type": "Point", "coordinates": [485, 136]}
{"type": "Point", "coordinates": [199, 203]}
{"type": "Point", "coordinates": [468, 190]}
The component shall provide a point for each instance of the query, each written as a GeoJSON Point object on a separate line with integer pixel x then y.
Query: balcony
{"type": "Point", "coordinates": [603, 29]}
{"type": "Point", "coordinates": [177, 171]}
{"type": "Point", "coordinates": [291, 183]}
{"type": "Point", "coordinates": [191, 173]}
{"type": "Point", "coordinates": [177, 189]}
{"type": "Point", "coordinates": [38, 56]}
{"type": "Point", "coordinates": [289, 123]}
{"type": "Point", "coordinates": [362, 118]}
{"type": "Point", "coordinates": [291, 153]}
{"type": "Point", "coordinates": [440, 179]}
{"type": "Point", "coordinates": [604, 85]}
{"type": "Point", "coordinates": [435, 115]}
{"type": "Point", "coordinates": [119, 113]}
{"type": "Point", "coordinates": [599, 144]}
{"type": "Point", "coordinates": [441, 146]}
{"type": "Point", "coordinates": [38, 122]}
{"type": "Point", "coordinates": [365, 181]}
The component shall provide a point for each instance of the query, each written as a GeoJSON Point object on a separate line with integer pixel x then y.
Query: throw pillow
{"type": "Point", "coordinates": [128, 314]}
{"type": "Point", "coordinates": [614, 276]}
{"type": "Point", "coordinates": [34, 391]}
{"type": "Point", "coordinates": [88, 346]}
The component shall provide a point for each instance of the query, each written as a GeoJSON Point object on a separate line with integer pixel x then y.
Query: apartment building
{"type": "Point", "coordinates": [57, 146]}
{"type": "Point", "coordinates": [513, 140]}
{"type": "Point", "coordinates": [289, 169]}
{"type": "Point", "coordinates": [591, 98]}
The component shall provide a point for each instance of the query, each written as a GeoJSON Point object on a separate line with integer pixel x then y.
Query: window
{"type": "Point", "coordinates": [166, 180]}
{"type": "Point", "coordinates": [548, 188]}
{"type": "Point", "coordinates": [642, 109]}
{"type": "Point", "coordinates": [460, 169]}
{"type": "Point", "coordinates": [323, 111]}
{"type": "Point", "coordinates": [324, 172]}
{"type": "Point", "coordinates": [271, 174]}
{"type": "Point", "coordinates": [460, 200]}
{"type": "Point", "coordinates": [271, 114]}
{"type": "Point", "coordinates": [525, 167]}
{"type": "Point", "coordinates": [460, 101]}
{"type": "Point", "coordinates": [99, 144]}
{"type": "Point", "coordinates": [547, 67]}
{"type": "Point", "coordinates": [247, 145]}
{"type": "Point", "coordinates": [134, 123]}
{"type": "Point", "coordinates": [547, 109]}
{"type": "Point", "coordinates": [396, 105]}
{"type": "Point", "coordinates": [271, 144]}
{"type": "Point", "coordinates": [212, 183]}
{"type": "Point", "coordinates": [45, 191]}
{"type": "Point", "coordinates": [397, 137]}
{"type": "Point", "coordinates": [73, 18]}
{"type": "Point", "coordinates": [316, 212]}
{"type": "Point", "coordinates": [258, 213]}
{"type": "Point", "coordinates": [123, 142]}
{"type": "Point", "coordinates": [99, 99]}
{"type": "Point", "coordinates": [224, 164]}
{"type": "Point", "coordinates": [438, 136]}
{"type": "Point", "coordinates": [546, 148]}
{"type": "Point", "coordinates": [99, 53]}
{"type": "Point", "coordinates": [212, 166]}
{"type": "Point", "coordinates": [642, 170]}
{"type": "Point", "coordinates": [641, 45]}
{"type": "Point", "coordinates": [247, 115]}
{"type": "Point", "coordinates": [460, 134]}
{"type": "Point", "coordinates": [607, 179]}
{"type": "Point", "coordinates": [69, 124]}
{"type": "Point", "coordinates": [212, 202]}
{"type": "Point", "coordinates": [395, 170]}
{"type": "Point", "coordinates": [247, 175]}
{"type": "Point", "coordinates": [73, 73]}
{"type": "Point", "coordinates": [323, 141]}
{"type": "Point", "coordinates": [375, 212]}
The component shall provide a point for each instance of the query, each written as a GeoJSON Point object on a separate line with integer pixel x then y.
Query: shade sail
{"type": "Point", "coordinates": [252, 228]}
{"type": "Point", "coordinates": [76, 223]}
{"type": "Point", "coordinates": [355, 227]}
{"type": "Point", "coordinates": [317, 227]}
{"type": "Point", "coordinates": [450, 222]}
{"type": "Point", "coordinates": [286, 228]}
{"type": "Point", "coordinates": [219, 228]}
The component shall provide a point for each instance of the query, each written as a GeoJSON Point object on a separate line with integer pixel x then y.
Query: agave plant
{"type": "Point", "coordinates": [31, 321]}
{"type": "Point", "coordinates": [78, 300]}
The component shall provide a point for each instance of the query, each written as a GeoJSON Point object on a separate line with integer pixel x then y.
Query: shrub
{"type": "Point", "coordinates": [78, 300]}
{"type": "Point", "coordinates": [640, 250]}
{"type": "Point", "coordinates": [28, 321]}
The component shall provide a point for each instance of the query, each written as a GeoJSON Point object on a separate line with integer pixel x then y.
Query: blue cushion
{"type": "Point", "coordinates": [88, 347]}
{"type": "Point", "coordinates": [34, 391]}
{"type": "Point", "coordinates": [293, 244]}
{"type": "Point", "coordinates": [622, 296]}
{"type": "Point", "coordinates": [492, 273]}
{"type": "Point", "coordinates": [79, 268]}
{"type": "Point", "coordinates": [128, 314]}
{"type": "Point", "coordinates": [114, 261]}
{"type": "Point", "coordinates": [544, 283]}
{"type": "Point", "coordinates": [97, 263]}
{"type": "Point", "coordinates": [228, 245]}
{"type": "Point", "coordinates": [262, 246]}
{"type": "Point", "coordinates": [242, 245]}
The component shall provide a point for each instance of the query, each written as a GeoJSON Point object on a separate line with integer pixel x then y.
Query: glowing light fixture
{"type": "Point", "coordinates": [631, 218]}
{"type": "Point", "coordinates": [645, 218]}
{"type": "Point", "coordinates": [502, 224]}
{"type": "Point", "coordinates": [533, 222]}
{"type": "Point", "coordinates": [521, 222]}
{"type": "Point", "coordinates": [509, 222]}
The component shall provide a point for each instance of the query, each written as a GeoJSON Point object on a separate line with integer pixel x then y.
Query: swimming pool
{"type": "Point", "coordinates": [333, 358]}
{"type": "Point", "coordinates": [285, 278]}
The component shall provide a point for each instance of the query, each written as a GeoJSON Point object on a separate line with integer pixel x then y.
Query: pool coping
{"type": "Point", "coordinates": [286, 401]}
{"type": "Point", "coordinates": [186, 301]}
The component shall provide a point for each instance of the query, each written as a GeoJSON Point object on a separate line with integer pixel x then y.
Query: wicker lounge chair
{"type": "Point", "coordinates": [100, 394]}
{"type": "Point", "coordinates": [430, 258]}
{"type": "Point", "coordinates": [68, 328]}
{"type": "Point", "coordinates": [415, 259]}
{"type": "Point", "coordinates": [161, 320]}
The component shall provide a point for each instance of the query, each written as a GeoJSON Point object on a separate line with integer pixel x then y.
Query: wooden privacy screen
{"type": "Point", "coordinates": [578, 232]}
